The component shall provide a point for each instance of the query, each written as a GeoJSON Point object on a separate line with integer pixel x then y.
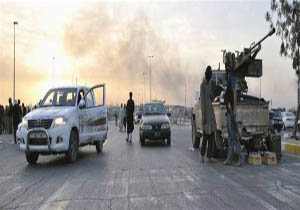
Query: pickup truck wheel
{"type": "Point", "coordinates": [195, 139]}
{"type": "Point", "coordinates": [99, 146]}
{"type": "Point", "coordinates": [142, 140]}
{"type": "Point", "coordinates": [32, 157]}
{"type": "Point", "coordinates": [73, 147]}
{"type": "Point", "coordinates": [169, 141]}
{"type": "Point", "coordinates": [214, 149]}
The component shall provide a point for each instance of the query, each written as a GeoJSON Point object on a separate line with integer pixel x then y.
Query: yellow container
{"type": "Point", "coordinates": [254, 158]}
{"type": "Point", "coordinates": [270, 158]}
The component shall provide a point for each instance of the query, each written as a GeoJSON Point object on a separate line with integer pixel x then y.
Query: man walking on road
{"type": "Point", "coordinates": [208, 115]}
{"type": "Point", "coordinates": [129, 112]}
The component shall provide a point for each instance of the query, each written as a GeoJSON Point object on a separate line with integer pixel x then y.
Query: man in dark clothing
{"type": "Point", "coordinates": [208, 115]}
{"type": "Point", "coordinates": [10, 113]}
{"type": "Point", "coordinates": [1, 119]}
{"type": "Point", "coordinates": [6, 119]}
{"type": "Point", "coordinates": [129, 112]}
{"type": "Point", "coordinates": [125, 117]}
{"type": "Point", "coordinates": [230, 99]}
{"type": "Point", "coordinates": [24, 111]}
{"type": "Point", "coordinates": [17, 116]}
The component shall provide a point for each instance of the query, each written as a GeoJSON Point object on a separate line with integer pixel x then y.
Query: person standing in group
{"type": "Point", "coordinates": [6, 119]}
{"type": "Point", "coordinates": [1, 119]}
{"type": "Point", "coordinates": [230, 100]}
{"type": "Point", "coordinates": [24, 111]}
{"type": "Point", "coordinates": [208, 115]}
{"type": "Point", "coordinates": [10, 115]}
{"type": "Point", "coordinates": [116, 118]}
{"type": "Point", "coordinates": [125, 117]}
{"type": "Point", "coordinates": [129, 112]}
{"type": "Point", "coordinates": [17, 116]}
{"type": "Point", "coordinates": [121, 118]}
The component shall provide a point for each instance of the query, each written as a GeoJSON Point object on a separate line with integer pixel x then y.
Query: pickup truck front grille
{"type": "Point", "coordinates": [156, 127]}
{"type": "Point", "coordinates": [37, 141]}
{"type": "Point", "coordinates": [45, 123]}
{"type": "Point", "coordinates": [38, 138]}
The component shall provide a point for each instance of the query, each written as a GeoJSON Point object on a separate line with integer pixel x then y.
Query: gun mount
{"type": "Point", "coordinates": [244, 64]}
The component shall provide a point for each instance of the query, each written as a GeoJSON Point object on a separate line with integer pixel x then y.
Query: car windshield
{"type": "Point", "coordinates": [60, 97]}
{"type": "Point", "coordinates": [289, 114]}
{"type": "Point", "coordinates": [277, 114]}
{"type": "Point", "coordinates": [154, 109]}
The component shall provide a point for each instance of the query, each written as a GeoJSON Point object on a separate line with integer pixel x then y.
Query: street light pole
{"type": "Point", "coordinates": [150, 56]}
{"type": "Point", "coordinates": [184, 100]}
{"type": "Point", "coordinates": [14, 94]}
{"type": "Point", "coordinates": [53, 69]}
{"type": "Point", "coordinates": [144, 87]}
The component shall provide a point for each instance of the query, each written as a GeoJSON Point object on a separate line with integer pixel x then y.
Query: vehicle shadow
{"type": "Point", "coordinates": [154, 144]}
{"type": "Point", "coordinates": [86, 156]}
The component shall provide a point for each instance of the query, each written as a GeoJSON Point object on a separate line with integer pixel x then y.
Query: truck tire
{"type": "Point", "coordinates": [195, 139]}
{"type": "Point", "coordinates": [169, 141]}
{"type": "Point", "coordinates": [142, 141]}
{"type": "Point", "coordinates": [32, 157]}
{"type": "Point", "coordinates": [72, 152]}
{"type": "Point", "coordinates": [99, 146]}
{"type": "Point", "coordinates": [215, 149]}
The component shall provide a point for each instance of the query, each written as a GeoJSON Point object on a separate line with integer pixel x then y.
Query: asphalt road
{"type": "Point", "coordinates": [128, 176]}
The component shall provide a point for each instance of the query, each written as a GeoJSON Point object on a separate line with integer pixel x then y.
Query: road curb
{"type": "Point", "coordinates": [291, 148]}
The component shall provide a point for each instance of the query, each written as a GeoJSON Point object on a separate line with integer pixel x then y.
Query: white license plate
{"type": "Point", "coordinates": [37, 135]}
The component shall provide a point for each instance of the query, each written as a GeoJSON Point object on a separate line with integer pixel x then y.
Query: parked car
{"type": "Point", "coordinates": [288, 119]}
{"type": "Point", "coordinates": [137, 117]}
{"type": "Point", "coordinates": [155, 125]}
{"type": "Point", "coordinates": [276, 119]}
{"type": "Point", "coordinates": [67, 118]}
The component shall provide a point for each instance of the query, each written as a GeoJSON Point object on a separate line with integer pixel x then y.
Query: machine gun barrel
{"type": "Point", "coordinates": [271, 32]}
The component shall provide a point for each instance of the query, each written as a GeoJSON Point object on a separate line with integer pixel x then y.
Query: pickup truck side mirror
{"type": "Point", "coordinates": [39, 104]}
{"type": "Point", "coordinates": [82, 104]}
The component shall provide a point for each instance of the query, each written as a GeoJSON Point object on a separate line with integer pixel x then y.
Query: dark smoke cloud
{"type": "Point", "coordinates": [119, 47]}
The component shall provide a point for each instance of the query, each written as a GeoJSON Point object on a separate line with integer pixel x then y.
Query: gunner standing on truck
{"type": "Point", "coordinates": [208, 115]}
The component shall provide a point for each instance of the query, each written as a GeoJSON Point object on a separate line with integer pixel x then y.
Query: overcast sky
{"type": "Point", "coordinates": [100, 42]}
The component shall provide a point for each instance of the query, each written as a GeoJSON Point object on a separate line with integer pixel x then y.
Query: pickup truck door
{"type": "Point", "coordinates": [96, 114]}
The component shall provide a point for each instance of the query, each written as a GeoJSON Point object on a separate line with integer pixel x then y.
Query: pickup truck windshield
{"type": "Point", "coordinates": [154, 109]}
{"type": "Point", "coordinates": [60, 97]}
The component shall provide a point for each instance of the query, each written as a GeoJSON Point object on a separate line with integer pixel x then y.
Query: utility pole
{"type": "Point", "coordinates": [184, 101]}
{"type": "Point", "coordinates": [53, 67]}
{"type": "Point", "coordinates": [144, 87]}
{"type": "Point", "coordinates": [150, 56]}
{"type": "Point", "coordinates": [14, 95]}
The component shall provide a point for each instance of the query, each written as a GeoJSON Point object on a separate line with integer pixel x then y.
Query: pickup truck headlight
{"type": "Point", "coordinates": [60, 121]}
{"type": "Point", "coordinates": [165, 126]}
{"type": "Point", "coordinates": [146, 127]}
{"type": "Point", "coordinates": [24, 123]}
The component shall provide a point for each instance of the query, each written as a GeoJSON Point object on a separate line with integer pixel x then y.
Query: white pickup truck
{"type": "Point", "coordinates": [67, 118]}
